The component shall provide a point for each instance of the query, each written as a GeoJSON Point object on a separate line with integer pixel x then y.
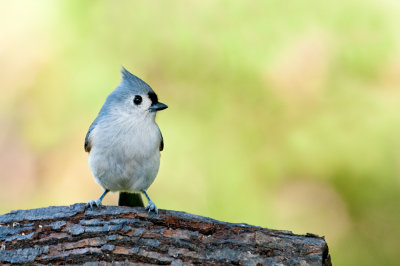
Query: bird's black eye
{"type": "Point", "coordinates": [137, 100]}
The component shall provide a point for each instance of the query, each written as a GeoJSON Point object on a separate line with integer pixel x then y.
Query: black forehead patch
{"type": "Point", "coordinates": [153, 97]}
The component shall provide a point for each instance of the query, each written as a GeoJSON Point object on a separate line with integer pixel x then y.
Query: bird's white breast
{"type": "Point", "coordinates": [128, 160]}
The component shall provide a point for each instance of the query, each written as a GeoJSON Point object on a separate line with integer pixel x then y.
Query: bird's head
{"type": "Point", "coordinates": [134, 97]}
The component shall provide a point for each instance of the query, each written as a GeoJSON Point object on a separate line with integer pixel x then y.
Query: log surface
{"type": "Point", "coordinates": [120, 235]}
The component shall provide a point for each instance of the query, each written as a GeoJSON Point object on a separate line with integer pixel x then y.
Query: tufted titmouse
{"type": "Point", "coordinates": [124, 142]}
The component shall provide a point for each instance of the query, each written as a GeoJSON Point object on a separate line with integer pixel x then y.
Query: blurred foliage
{"type": "Point", "coordinates": [283, 114]}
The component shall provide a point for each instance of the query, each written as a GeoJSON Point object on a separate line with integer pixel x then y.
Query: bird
{"type": "Point", "coordinates": [124, 143]}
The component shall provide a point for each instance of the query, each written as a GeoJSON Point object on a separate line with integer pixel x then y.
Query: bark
{"type": "Point", "coordinates": [123, 235]}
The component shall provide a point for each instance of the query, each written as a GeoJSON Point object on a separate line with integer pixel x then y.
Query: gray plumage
{"type": "Point", "coordinates": [124, 141]}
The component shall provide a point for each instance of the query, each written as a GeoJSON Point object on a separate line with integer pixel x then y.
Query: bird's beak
{"type": "Point", "coordinates": [157, 107]}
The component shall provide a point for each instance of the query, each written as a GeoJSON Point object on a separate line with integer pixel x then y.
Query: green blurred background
{"type": "Point", "coordinates": [283, 114]}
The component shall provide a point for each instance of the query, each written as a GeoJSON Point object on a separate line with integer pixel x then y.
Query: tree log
{"type": "Point", "coordinates": [122, 235]}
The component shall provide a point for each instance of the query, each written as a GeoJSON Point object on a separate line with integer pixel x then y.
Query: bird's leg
{"type": "Point", "coordinates": [97, 202]}
{"type": "Point", "coordinates": [150, 206]}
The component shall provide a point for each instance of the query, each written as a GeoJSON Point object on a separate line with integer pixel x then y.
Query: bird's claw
{"type": "Point", "coordinates": [94, 203]}
{"type": "Point", "coordinates": [151, 207]}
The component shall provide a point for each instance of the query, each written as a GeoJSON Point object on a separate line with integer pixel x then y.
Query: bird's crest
{"type": "Point", "coordinates": [134, 83]}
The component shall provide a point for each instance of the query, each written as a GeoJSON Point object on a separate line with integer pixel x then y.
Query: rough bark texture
{"type": "Point", "coordinates": [121, 235]}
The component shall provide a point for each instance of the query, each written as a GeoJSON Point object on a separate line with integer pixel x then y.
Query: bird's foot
{"type": "Point", "coordinates": [94, 203]}
{"type": "Point", "coordinates": [151, 207]}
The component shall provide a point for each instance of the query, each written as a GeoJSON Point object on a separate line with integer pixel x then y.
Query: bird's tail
{"type": "Point", "coordinates": [130, 199]}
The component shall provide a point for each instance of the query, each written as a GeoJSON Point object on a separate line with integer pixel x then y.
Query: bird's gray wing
{"type": "Point", "coordinates": [162, 141]}
{"type": "Point", "coordinates": [88, 144]}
